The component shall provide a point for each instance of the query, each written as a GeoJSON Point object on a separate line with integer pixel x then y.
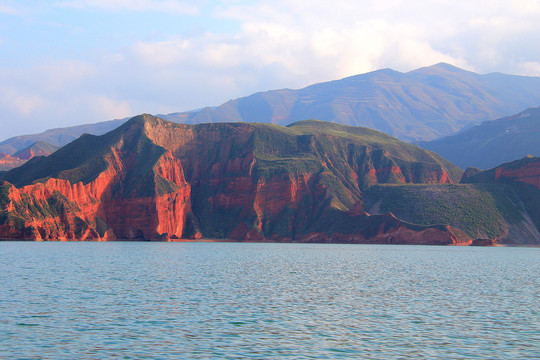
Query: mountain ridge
{"type": "Point", "coordinates": [420, 99]}
{"type": "Point", "coordinates": [421, 104]}
{"type": "Point", "coordinates": [58, 136]}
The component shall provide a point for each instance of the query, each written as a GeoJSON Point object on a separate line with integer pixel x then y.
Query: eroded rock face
{"type": "Point", "coordinates": [103, 208]}
{"type": "Point", "coordinates": [528, 173]}
{"type": "Point", "coordinates": [60, 210]}
{"type": "Point", "coordinates": [155, 180]}
{"type": "Point", "coordinates": [526, 170]}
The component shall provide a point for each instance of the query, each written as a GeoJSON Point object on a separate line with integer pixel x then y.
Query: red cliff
{"type": "Point", "coordinates": [528, 174]}
{"type": "Point", "coordinates": [526, 170]}
{"type": "Point", "coordinates": [155, 180]}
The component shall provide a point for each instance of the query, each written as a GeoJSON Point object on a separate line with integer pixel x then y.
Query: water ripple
{"type": "Point", "coordinates": [253, 301]}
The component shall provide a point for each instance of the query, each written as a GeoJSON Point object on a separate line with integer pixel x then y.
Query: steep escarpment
{"type": "Point", "coordinates": [117, 186]}
{"type": "Point", "coordinates": [156, 180]}
{"type": "Point", "coordinates": [526, 171]}
{"type": "Point", "coordinates": [260, 182]}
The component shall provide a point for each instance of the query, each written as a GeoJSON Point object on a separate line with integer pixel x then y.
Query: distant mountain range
{"type": "Point", "coordinates": [423, 104]}
{"type": "Point", "coordinates": [493, 142]}
{"type": "Point", "coordinates": [39, 148]}
{"type": "Point", "coordinates": [57, 137]}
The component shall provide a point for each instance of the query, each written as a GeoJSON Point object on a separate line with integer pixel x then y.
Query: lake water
{"type": "Point", "coordinates": [281, 301]}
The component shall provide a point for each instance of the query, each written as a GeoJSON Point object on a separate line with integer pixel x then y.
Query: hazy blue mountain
{"type": "Point", "coordinates": [423, 104]}
{"type": "Point", "coordinates": [58, 136]}
{"type": "Point", "coordinates": [493, 142]}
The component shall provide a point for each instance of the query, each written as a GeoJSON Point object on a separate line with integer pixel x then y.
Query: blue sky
{"type": "Point", "coordinates": [68, 62]}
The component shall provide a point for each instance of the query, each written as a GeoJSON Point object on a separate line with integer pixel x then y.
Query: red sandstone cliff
{"type": "Point", "coordinates": [103, 208]}
{"type": "Point", "coordinates": [529, 174]}
{"type": "Point", "coordinates": [155, 180]}
{"type": "Point", "coordinates": [526, 170]}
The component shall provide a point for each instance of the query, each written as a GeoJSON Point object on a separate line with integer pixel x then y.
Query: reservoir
{"type": "Point", "coordinates": [134, 300]}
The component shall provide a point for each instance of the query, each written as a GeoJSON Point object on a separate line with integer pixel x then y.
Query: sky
{"type": "Point", "coordinates": [70, 62]}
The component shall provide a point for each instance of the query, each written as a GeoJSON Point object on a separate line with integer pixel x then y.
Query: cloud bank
{"type": "Point", "coordinates": [166, 56]}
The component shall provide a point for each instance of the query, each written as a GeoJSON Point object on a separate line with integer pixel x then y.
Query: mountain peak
{"type": "Point", "coordinates": [143, 119]}
{"type": "Point", "coordinates": [445, 66]}
{"type": "Point", "coordinates": [142, 122]}
{"type": "Point", "coordinates": [441, 67]}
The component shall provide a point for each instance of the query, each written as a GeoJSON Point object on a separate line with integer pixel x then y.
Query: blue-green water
{"type": "Point", "coordinates": [280, 301]}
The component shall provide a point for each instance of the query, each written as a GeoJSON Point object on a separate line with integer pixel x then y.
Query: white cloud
{"type": "Point", "coordinates": [397, 33]}
{"type": "Point", "coordinates": [319, 41]}
{"type": "Point", "coordinates": [531, 68]}
{"type": "Point", "coordinates": [107, 108]}
{"type": "Point", "coordinates": [162, 53]}
{"type": "Point", "coordinates": [181, 7]}
{"type": "Point", "coordinates": [24, 104]}
{"type": "Point", "coordinates": [270, 44]}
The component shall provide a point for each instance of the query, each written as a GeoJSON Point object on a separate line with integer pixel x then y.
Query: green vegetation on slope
{"type": "Point", "coordinates": [528, 194]}
{"type": "Point", "coordinates": [293, 147]}
{"type": "Point", "coordinates": [377, 140]}
{"type": "Point", "coordinates": [82, 160]}
{"type": "Point", "coordinates": [481, 210]}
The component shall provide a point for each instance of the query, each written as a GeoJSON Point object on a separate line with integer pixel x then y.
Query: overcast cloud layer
{"type": "Point", "coordinates": [68, 62]}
